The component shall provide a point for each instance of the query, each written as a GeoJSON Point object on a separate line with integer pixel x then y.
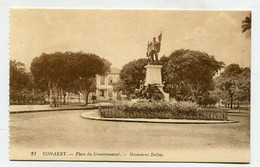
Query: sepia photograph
{"type": "Point", "coordinates": [129, 85]}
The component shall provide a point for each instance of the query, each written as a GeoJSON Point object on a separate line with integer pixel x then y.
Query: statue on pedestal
{"type": "Point", "coordinates": [153, 87]}
{"type": "Point", "coordinates": [153, 48]}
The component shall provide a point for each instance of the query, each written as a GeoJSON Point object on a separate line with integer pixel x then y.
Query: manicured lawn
{"type": "Point", "coordinates": [66, 130]}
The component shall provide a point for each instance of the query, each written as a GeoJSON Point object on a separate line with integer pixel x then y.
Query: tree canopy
{"type": "Point", "coordinates": [19, 81]}
{"type": "Point", "coordinates": [131, 75]}
{"type": "Point", "coordinates": [68, 71]}
{"type": "Point", "coordinates": [234, 83]}
{"type": "Point", "coordinates": [246, 25]}
{"type": "Point", "coordinates": [186, 74]}
{"type": "Point", "coordinates": [189, 73]}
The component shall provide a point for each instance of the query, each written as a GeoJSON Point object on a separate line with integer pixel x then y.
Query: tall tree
{"type": "Point", "coordinates": [82, 70]}
{"type": "Point", "coordinates": [20, 83]}
{"type": "Point", "coordinates": [244, 84]}
{"type": "Point", "coordinates": [234, 81]}
{"type": "Point", "coordinates": [48, 69]}
{"type": "Point", "coordinates": [189, 73]}
{"type": "Point", "coordinates": [131, 75]}
{"type": "Point", "coordinates": [246, 25]}
{"type": "Point", "coordinates": [68, 71]}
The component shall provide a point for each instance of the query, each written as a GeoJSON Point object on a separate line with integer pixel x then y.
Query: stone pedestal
{"type": "Point", "coordinates": [154, 76]}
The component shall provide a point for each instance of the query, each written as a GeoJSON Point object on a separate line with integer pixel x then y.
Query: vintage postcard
{"type": "Point", "coordinates": [130, 85]}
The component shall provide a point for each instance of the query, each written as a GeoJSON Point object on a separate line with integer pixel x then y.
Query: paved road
{"type": "Point", "coordinates": [34, 108]}
{"type": "Point", "coordinates": [66, 130]}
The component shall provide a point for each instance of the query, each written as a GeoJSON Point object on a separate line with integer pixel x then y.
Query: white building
{"type": "Point", "coordinates": [104, 85]}
{"type": "Point", "coordinates": [104, 89]}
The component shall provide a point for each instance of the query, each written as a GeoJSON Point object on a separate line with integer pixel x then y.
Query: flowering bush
{"type": "Point", "coordinates": [160, 109]}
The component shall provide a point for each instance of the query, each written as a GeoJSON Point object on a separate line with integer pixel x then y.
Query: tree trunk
{"type": "Point", "coordinates": [68, 100]}
{"type": "Point", "coordinates": [231, 102]}
{"type": "Point", "coordinates": [55, 97]}
{"type": "Point", "coordinates": [50, 98]}
{"type": "Point", "coordinates": [86, 102]}
{"type": "Point", "coordinates": [60, 99]}
{"type": "Point", "coordinates": [64, 98]}
{"type": "Point", "coordinates": [56, 104]}
{"type": "Point", "coordinates": [238, 102]}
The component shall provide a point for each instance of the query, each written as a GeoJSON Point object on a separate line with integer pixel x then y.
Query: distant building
{"type": "Point", "coordinates": [104, 85]}
{"type": "Point", "coordinates": [104, 89]}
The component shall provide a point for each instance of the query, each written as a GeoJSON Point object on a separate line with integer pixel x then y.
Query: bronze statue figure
{"type": "Point", "coordinates": [153, 48]}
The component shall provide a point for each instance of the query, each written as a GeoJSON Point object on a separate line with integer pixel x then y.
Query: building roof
{"type": "Point", "coordinates": [114, 70]}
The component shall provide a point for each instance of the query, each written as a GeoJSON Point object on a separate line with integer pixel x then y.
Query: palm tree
{"type": "Point", "coordinates": [246, 25]}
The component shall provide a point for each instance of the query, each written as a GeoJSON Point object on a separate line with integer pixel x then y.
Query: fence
{"type": "Point", "coordinates": [200, 114]}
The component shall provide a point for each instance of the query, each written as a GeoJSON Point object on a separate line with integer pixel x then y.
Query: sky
{"type": "Point", "coordinates": [121, 36]}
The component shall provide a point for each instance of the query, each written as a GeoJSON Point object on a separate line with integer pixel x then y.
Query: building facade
{"type": "Point", "coordinates": [104, 89]}
{"type": "Point", "coordinates": [104, 85]}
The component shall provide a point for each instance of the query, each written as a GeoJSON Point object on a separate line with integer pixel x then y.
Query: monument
{"type": "Point", "coordinates": [153, 69]}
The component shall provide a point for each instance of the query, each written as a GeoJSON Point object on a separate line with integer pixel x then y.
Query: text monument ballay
{"type": "Point", "coordinates": [153, 69]}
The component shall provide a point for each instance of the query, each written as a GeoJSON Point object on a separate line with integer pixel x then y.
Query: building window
{"type": "Point", "coordinates": [102, 80]}
{"type": "Point", "coordinates": [117, 79]}
{"type": "Point", "coordinates": [110, 80]}
{"type": "Point", "coordinates": [102, 93]}
{"type": "Point", "coordinates": [110, 93]}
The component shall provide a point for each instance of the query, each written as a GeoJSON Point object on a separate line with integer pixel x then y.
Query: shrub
{"type": "Point", "coordinates": [93, 97]}
{"type": "Point", "coordinates": [179, 97]}
{"type": "Point", "coordinates": [151, 91]}
{"type": "Point", "coordinates": [160, 109]}
{"type": "Point", "coordinates": [133, 96]}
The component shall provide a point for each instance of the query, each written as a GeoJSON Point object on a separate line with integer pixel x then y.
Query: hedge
{"type": "Point", "coordinates": [161, 110]}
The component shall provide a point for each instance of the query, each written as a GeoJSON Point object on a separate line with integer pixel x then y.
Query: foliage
{"type": "Point", "coordinates": [48, 70]}
{"type": "Point", "coordinates": [234, 83]}
{"type": "Point", "coordinates": [160, 109]}
{"type": "Point", "coordinates": [132, 96]}
{"type": "Point", "coordinates": [131, 75]}
{"type": "Point", "coordinates": [156, 106]}
{"type": "Point", "coordinates": [151, 91]}
{"type": "Point", "coordinates": [69, 71]}
{"type": "Point", "coordinates": [189, 73]}
{"type": "Point", "coordinates": [246, 25]}
{"type": "Point", "coordinates": [93, 97]}
{"type": "Point", "coordinates": [244, 85]}
{"type": "Point", "coordinates": [84, 68]}
{"type": "Point", "coordinates": [118, 87]}
{"type": "Point", "coordinates": [22, 89]}
{"type": "Point", "coordinates": [20, 81]}
{"type": "Point", "coordinates": [207, 100]}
